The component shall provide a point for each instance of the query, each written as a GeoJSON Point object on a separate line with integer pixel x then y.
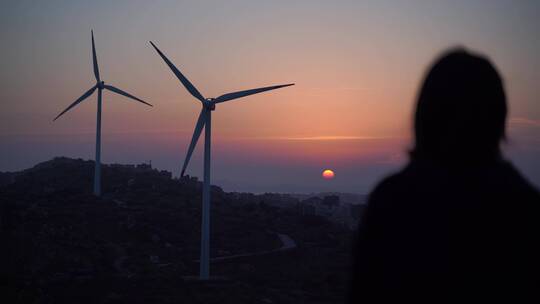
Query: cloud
{"type": "Point", "coordinates": [318, 138]}
{"type": "Point", "coordinates": [324, 138]}
{"type": "Point", "coordinates": [522, 121]}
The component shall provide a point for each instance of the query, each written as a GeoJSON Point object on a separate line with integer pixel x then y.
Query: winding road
{"type": "Point", "coordinates": [287, 243]}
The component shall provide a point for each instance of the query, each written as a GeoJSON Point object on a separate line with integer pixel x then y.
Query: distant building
{"type": "Point", "coordinates": [313, 206]}
{"type": "Point", "coordinates": [165, 174]}
{"type": "Point", "coordinates": [309, 206]}
{"type": "Point", "coordinates": [144, 167]}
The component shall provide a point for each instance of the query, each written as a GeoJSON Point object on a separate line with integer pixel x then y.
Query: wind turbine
{"type": "Point", "coordinates": [100, 86]}
{"type": "Point", "coordinates": [205, 120]}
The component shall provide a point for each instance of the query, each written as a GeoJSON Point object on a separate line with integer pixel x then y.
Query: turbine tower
{"type": "Point", "coordinates": [205, 121]}
{"type": "Point", "coordinates": [100, 86]}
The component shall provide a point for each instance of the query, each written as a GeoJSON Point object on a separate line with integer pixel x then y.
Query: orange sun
{"type": "Point", "coordinates": [328, 174]}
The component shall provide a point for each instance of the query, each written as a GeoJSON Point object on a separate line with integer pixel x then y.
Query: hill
{"type": "Point", "coordinates": [139, 243]}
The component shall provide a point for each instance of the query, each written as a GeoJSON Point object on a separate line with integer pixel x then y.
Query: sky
{"type": "Point", "coordinates": [357, 66]}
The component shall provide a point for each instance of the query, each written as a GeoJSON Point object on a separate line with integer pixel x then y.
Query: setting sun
{"type": "Point", "coordinates": [328, 174]}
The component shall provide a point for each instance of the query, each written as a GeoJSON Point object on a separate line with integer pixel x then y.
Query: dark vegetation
{"type": "Point", "coordinates": [139, 243]}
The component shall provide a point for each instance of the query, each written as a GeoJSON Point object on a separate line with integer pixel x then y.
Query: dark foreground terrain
{"type": "Point", "coordinates": [139, 243]}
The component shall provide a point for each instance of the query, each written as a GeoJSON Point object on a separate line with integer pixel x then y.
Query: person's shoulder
{"type": "Point", "coordinates": [392, 184]}
{"type": "Point", "coordinates": [518, 183]}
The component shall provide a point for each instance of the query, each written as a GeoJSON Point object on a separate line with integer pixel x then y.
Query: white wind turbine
{"type": "Point", "coordinates": [100, 86]}
{"type": "Point", "coordinates": [205, 120]}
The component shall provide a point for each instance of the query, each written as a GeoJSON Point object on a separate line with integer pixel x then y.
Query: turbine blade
{"type": "Point", "coordinates": [196, 134]}
{"type": "Point", "coordinates": [94, 59]}
{"type": "Point", "coordinates": [118, 91]}
{"type": "Point", "coordinates": [239, 94]}
{"type": "Point", "coordinates": [189, 86]}
{"type": "Point", "coordinates": [83, 97]}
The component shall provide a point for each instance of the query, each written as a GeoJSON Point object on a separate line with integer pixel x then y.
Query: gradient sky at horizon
{"type": "Point", "coordinates": [357, 66]}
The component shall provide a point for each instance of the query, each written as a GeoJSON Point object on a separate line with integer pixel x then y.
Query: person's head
{"type": "Point", "coordinates": [461, 110]}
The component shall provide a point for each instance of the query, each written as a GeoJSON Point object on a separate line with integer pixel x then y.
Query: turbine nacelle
{"type": "Point", "coordinates": [210, 104]}
{"type": "Point", "coordinates": [100, 85]}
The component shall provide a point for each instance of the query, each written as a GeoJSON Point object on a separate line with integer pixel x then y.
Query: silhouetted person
{"type": "Point", "coordinates": [458, 223]}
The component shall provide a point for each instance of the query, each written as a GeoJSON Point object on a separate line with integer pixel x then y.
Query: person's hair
{"type": "Point", "coordinates": [461, 110]}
